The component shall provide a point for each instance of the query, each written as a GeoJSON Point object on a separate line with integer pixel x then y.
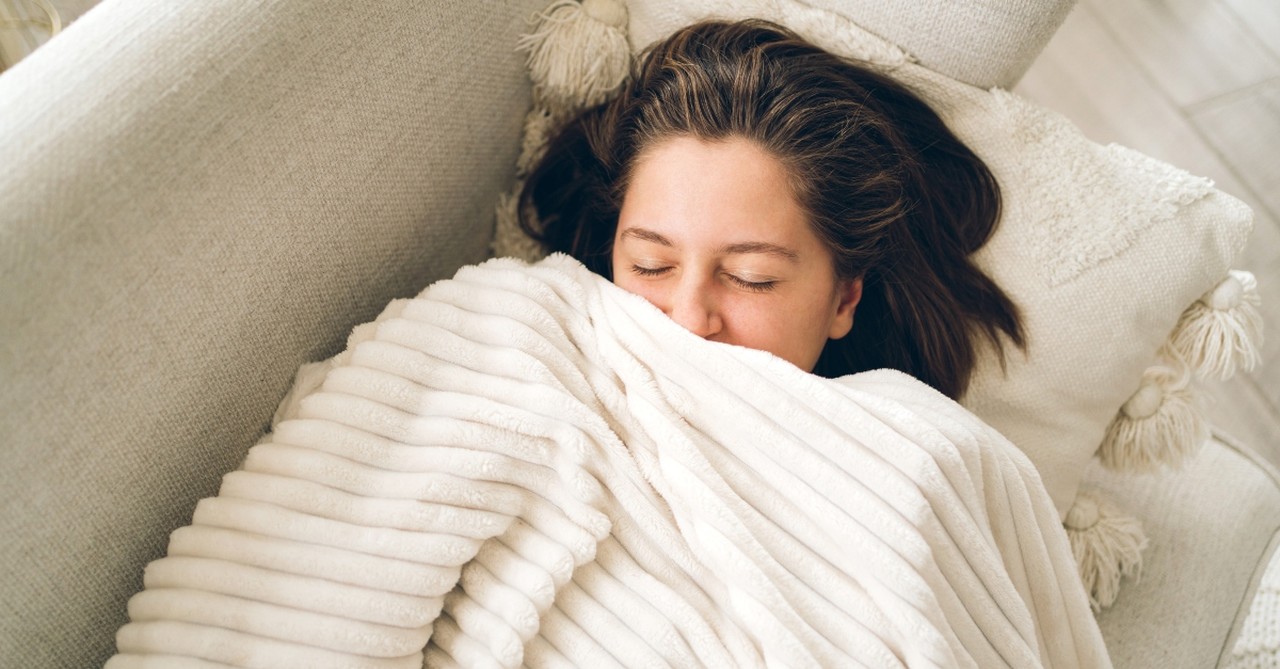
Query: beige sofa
{"type": "Point", "coordinates": [199, 197]}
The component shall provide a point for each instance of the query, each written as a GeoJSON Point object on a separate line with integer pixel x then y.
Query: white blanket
{"type": "Point", "coordinates": [527, 465]}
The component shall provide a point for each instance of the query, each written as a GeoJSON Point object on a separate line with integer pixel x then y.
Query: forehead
{"type": "Point", "coordinates": [726, 191]}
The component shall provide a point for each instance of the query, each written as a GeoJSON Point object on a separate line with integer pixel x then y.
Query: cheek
{"type": "Point", "coordinates": [649, 290]}
{"type": "Point", "coordinates": [793, 330]}
{"type": "Point", "coordinates": [618, 274]}
{"type": "Point", "coordinates": [757, 322]}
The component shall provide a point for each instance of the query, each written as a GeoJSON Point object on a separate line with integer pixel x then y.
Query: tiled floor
{"type": "Point", "coordinates": [1195, 83]}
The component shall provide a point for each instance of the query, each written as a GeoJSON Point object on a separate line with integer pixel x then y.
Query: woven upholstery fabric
{"type": "Point", "coordinates": [985, 43]}
{"type": "Point", "coordinates": [1258, 645]}
{"type": "Point", "coordinates": [197, 198]}
{"type": "Point", "coordinates": [1192, 599]}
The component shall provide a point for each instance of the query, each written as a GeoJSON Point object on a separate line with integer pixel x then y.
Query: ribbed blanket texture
{"type": "Point", "coordinates": [525, 465]}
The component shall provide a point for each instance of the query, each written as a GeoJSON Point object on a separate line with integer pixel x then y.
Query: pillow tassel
{"type": "Point", "coordinates": [509, 239]}
{"type": "Point", "coordinates": [1159, 425]}
{"type": "Point", "coordinates": [539, 124]}
{"type": "Point", "coordinates": [578, 55]}
{"type": "Point", "coordinates": [1107, 545]}
{"type": "Point", "coordinates": [1222, 330]}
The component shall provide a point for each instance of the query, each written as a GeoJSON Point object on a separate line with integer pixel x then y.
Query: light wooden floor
{"type": "Point", "coordinates": [1195, 83]}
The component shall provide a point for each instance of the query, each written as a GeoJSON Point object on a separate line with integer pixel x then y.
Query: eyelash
{"type": "Point", "coordinates": [649, 271]}
{"type": "Point", "coordinates": [753, 286]}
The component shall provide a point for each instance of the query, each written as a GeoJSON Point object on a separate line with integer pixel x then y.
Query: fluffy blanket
{"type": "Point", "coordinates": [527, 465]}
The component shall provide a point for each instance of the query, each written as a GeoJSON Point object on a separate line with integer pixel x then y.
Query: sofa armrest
{"type": "Point", "coordinates": [1212, 527]}
{"type": "Point", "coordinates": [198, 197]}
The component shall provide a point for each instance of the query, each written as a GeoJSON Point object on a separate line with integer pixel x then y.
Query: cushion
{"type": "Point", "coordinates": [1119, 262]}
{"type": "Point", "coordinates": [981, 42]}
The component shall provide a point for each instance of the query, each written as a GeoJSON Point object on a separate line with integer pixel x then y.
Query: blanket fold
{"type": "Point", "coordinates": [525, 465]}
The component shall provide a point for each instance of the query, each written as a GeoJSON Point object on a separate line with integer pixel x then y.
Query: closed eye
{"type": "Point", "coordinates": [641, 270]}
{"type": "Point", "coordinates": [753, 286]}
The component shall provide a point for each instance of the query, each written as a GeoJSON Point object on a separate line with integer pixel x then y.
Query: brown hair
{"type": "Point", "coordinates": [897, 199]}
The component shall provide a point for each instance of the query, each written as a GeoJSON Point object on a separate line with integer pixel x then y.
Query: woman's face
{"type": "Point", "coordinates": [710, 233]}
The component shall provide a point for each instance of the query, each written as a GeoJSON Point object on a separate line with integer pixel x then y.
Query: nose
{"type": "Point", "coordinates": [693, 305]}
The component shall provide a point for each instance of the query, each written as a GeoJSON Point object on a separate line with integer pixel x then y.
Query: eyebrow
{"type": "Point", "coordinates": [729, 249]}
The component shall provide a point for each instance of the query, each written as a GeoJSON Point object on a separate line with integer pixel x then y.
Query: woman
{"type": "Point", "coordinates": [760, 191]}
{"type": "Point", "coordinates": [527, 434]}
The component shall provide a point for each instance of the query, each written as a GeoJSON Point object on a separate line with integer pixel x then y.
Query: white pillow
{"type": "Point", "coordinates": [1118, 261]}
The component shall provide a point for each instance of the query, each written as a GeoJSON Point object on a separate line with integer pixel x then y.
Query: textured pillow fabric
{"type": "Point", "coordinates": [1102, 247]}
